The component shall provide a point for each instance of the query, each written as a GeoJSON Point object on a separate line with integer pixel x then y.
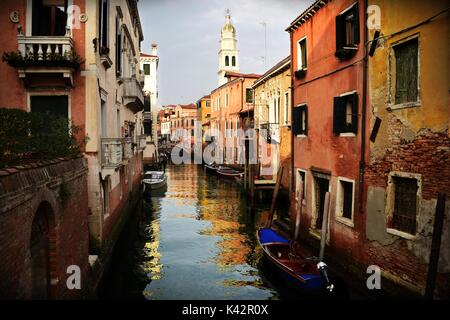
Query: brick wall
{"type": "Point", "coordinates": [23, 191]}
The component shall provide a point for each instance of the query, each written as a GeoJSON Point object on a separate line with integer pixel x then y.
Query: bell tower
{"type": "Point", "coordinates": [228, 53]}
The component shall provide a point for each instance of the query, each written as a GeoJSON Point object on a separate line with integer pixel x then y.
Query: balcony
{"type": "Point", "coordinates": [44, 58]}
{"type": "Point", "coordinates": [127, 145]}
{"type": "Point", "coordinates": [111, 153]}
{"type": "Point", "coordinates": [133, 95]}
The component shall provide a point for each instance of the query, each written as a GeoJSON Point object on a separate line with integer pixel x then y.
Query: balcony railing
{"type": "Point", "coordinates": [44, 47]}
{"type": "Point", "coordinates": [127, 144]}
{"type": "Point", "coordinates": [133, 94]}
{"type": "Point", "coordinates": [111, 152]}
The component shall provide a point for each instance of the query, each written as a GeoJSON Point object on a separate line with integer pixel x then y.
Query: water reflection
{"type": "Point", "coordinates": [195, 240]}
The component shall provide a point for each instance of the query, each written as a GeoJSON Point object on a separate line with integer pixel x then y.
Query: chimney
{"type": "Point", "coordinates": [154, 49]}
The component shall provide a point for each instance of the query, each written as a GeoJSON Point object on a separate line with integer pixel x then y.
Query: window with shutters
{"type": "Point", "coordinates": [248, 95]}
{"type": "Point", "coordinates": [406, 71]}
{"type": "Point", "coordinates": [118, 47]}
{"type": "Point", "coordinates": [300, 120]}
{"type": "Point", "coordinates": [347, 32]}
{"type": "Point", "coordinates": [103, 26]}
{"type": "Point", "coordinates": [345, 114]}
{"type": "Point", "coordinates": [49, 17]}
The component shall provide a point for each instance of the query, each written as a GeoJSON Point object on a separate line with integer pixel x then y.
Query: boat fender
{"type": "Point", "coordinates": [323, 270]}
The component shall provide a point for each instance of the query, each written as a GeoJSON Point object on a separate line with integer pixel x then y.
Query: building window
{"type": "Point", "coordinates": [248, 95]}
{"type": "Point", "coordinates": [227, 61]}
{"type": "Point", "coordinates": [286, 110]}
{"type": "Point", "coordinates": [345, 199]}
{"type": "Point", "coordinates": [321, 187]}
{"type": "Point", "coordinates": [406, 71]}
{"type": "Point", "coordinates": [118, 47]}
{"type": "Point", "coordinates": [103, 26]}
{"type": "Point", "coordinates": [345, 114]}
{"type": "Point", "coordinates": [300, 121]}
{"type": "Point", "coordinates": [51, 105]}
{"type": "Point", "coordinates": [192, 122]}
{"type": "Point", "coordinates": [301, 180]}
{"type": "Point", "coordinates": [347, 32]}
{"type": "Point", "coordinates": [301, 55]}
{"type": "Point", "coordinates": [405, 204]}
{"type": "Point", "coordinates": [208, 103]}
{"type": "Point", "coordinates": [147, 69]}
{"type": "Point", "coordinates": [226, 99]}
{"type": "Point", "coordinates": [49, 18]}
{"type": "Point", "coordinates": [233, 61]}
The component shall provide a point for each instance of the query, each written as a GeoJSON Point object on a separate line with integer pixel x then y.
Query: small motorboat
{"type": "Point", "coordinates": [153, 180]}
{"type": "Point", "coordinates": [230, 172]}
{"type": "Point", "coordinates": [211, 167]}
{"type": "Point", "coordinates": [302, 271]}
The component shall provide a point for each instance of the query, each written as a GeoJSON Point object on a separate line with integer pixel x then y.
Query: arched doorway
{"type": "Point", "coordinates": [40, 249]}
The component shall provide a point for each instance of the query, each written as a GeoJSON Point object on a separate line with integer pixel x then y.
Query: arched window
{"type": "Point", "coordinates": [233, 61]}
{"type": "Point", "coordinates": [227, 61]}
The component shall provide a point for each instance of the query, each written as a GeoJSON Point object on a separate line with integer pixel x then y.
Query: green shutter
{"type": "Point", "coordinates": [406, 61]}
{"type": "Point", "coordinates": [295, 121]}
{"type": "Point", "coordinates": [339, 114]}
{"type": "Point", "coordinates": [354, 98]}
{"type": "Point", "coordinates": [355, 10]}
{"type": "Point", "coordinates": [340, 32]}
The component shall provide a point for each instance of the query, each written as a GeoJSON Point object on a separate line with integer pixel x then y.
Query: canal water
{"type": "Point", "coordinates": [194, 240]}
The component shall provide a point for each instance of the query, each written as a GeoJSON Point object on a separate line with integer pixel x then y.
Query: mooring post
{"type": "Point", "coordinates": [323, 235]}
{"type": "Point", "coordinates": [299, 210]}
{"type": "Point", "coordinates": [435, 246]}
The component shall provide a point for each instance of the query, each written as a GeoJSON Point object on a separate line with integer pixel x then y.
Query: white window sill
{"type": "Point", "coordinates": [401, 234]}
{"type": "Point", "coordinates": [301, 136]}
{"type": "Point", "coordinates": [315, 233]}
{"type": "Point", "coordinates": [345, 221]}
{"type": "Point", "coordinates": [347, 135]}
{"type": "Point", "coordinates": [404, 105]}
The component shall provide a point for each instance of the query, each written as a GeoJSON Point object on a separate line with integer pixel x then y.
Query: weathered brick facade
{"type": "Point", "coordinates": [25, 192]}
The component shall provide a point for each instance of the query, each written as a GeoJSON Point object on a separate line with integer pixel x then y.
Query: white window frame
{"type": "Point", "coordinates": [390, 202]}
{"type": "Point", "coordinates": [299, 53]}
{"type": "Point", "coordinates": [340, 202]}
{"type": "Point", "coordinates": [297, 185]}
{"type": "Point", "coordinates": [286, 113]}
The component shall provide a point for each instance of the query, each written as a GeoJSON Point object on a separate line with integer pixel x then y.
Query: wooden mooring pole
{"type": "Point", "coordinates": [274, 197]}
{"type": "Point", "coordinates": [435, 246]}
{"type": "Point", "coordinates": [323, 235]}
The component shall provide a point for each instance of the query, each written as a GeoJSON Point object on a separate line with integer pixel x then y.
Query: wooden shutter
{"type": "Point", "coordinates": [406, 71]}
{"type": "Point", "coordinates": [339, 114]}
{"type": "Point", "coordinates": [356, 36]}
{"type": "Point", "coordinates": [354, 98]}
{"type": "Point", "coordinates": [296, 120]}
{"type": "Point", "coordinates": [340, 32]}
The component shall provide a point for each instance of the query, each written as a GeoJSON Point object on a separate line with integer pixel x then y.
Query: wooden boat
{"type": "Point", "coordinates": [211, 167]}
{"type": "Point", "coordinates": [230, 172]}
{"type": "Point", "coordinates": [302, 271]}
{"type": "Point", "coordinates": [153, 180]}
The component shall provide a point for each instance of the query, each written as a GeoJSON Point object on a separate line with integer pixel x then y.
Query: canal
{"type": "Point", "coordinates": [194, 240]}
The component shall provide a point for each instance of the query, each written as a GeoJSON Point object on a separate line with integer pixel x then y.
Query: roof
{"type": "Point", "coordinates": [146, 55]}
{"type": "Point", "coordinates": [275, 70]}
{"type": "Point", "coordinates": [306, 15]}
{"type": "Point", "coordinates": [188, 106]}
{"type": "Point", "coordinates": [241, 75]}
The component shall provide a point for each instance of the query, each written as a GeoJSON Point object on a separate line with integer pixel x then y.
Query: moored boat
{"type": "Point", "coordinates": [153, 180]}
{"type": "Point", "coordinates": [211, 166]}
{"type": "Point", "coordinates": [301, 270]}
{"type": "Point", "coordinates": [230, 172]}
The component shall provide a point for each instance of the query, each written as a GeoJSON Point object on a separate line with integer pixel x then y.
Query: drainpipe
{"type": "Point", "coordinates": [362, 161]}
{"type": "Point", "coordinates": [292, 184]}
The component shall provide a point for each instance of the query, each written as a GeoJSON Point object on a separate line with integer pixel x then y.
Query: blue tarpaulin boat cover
{"type": "Point", "coordinates": [268, 235]}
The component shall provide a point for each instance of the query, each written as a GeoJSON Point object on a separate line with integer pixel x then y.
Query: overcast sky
{"type": "Point", "coordinates": [188, 32]}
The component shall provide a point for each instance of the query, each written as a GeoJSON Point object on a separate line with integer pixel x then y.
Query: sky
{"type": "Point", "coordinates": [188, 32]}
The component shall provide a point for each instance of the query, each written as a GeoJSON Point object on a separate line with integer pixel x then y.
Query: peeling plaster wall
{"type": "Point", "coordinates": [413, 140]}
